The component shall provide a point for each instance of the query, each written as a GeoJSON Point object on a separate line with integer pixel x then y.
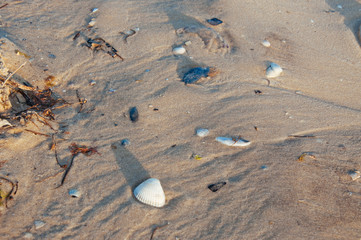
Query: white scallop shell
{"type": "Point", "coordinates": [274, 70]}
{"type": "Point", "coordinates": [150, 192]}
{"type": "Point", "coordinates": [266, 43]}
{"type": "Point", "coordinates": [74, 193]}
{"type": "Point", "coordinates": [179, 50]}
{"type": "Point", "coordinates": [202, 132]}
{"type": "Point", "coordinates": [233, 142]}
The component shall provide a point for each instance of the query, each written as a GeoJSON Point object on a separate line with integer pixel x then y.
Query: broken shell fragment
{"type": "Point", "coordinates": [354, 174]}
{"type": "Point", "coordinates": [216, 186]}
{"type": "Point", "coordinates": [266, 43]}
{"type": "Point", "coordinates": [39, 224]}
{"type": "Point", "coordinates": [234, 142]}
{"type": "Point", "coordinates": [74, 193]}
{"type": "Point", "coordinates": [91, 23]}
{"type": "Point", "coordinates": [274, 70]}
{"type": "Point", "coordinates": [150, 192]}
{"type": "Point", "coordinates": [202, 132]}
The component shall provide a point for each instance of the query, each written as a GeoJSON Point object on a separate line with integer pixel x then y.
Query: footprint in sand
{"type": "Point", "coordinates": [213, 41]}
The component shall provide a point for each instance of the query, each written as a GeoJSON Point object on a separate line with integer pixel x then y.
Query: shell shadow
{"type": "Point", "coordinates": [132, 169]}
{"type": "Point", "coordinates": [351, 13]}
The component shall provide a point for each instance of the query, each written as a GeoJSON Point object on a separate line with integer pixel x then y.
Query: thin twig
{"type": "Point", "coordinates": [67, 170]}
{"type": "Point", "coordinates": [22, 65]}
{"type": "Point", "coordinates": [37, 133]}
{"type": "Point", "coordinates": [4, 5]}
{"type": "Point", "coordinates": [56, 153]}
{"type": "Point", "coordinates": [301, 136]}
{"type": "Point", "coordinates": [81, 101]}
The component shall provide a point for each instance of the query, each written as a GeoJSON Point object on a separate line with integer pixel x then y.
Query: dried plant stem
{"type": "Point", "coordinates": [12, 74]}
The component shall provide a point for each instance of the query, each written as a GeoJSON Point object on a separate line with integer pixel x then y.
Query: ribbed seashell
{"type": "Point", "coordinates": [202, 132]}
{"type": "Point", "coordinates": [234, 142]}
{"type": "Point", "coordinates": [179, 50]}
{"type": "Point", "coordinates": [274, 70]}
{"type": "Point", "coordinates": [150, 192]}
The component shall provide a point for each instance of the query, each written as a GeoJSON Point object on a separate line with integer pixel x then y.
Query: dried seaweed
{"type": "Point", "coordinates": [74, 150]}
{"type": "Point", "coordinates": [6, 196]}
{"type": "Point", "coordinates": [98, 44]}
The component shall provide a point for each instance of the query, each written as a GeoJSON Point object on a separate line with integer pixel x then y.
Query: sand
{"type": "Point", "coordinates": [269, 194]}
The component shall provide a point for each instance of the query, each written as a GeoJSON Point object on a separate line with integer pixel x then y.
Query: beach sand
{"type": "Point", "coordinates": [270, 192]}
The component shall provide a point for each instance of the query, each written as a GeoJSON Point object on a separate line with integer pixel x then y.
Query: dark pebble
{"type": "Point", "coordinates": [195, 74]}
{"type": "Point", "coordinates": [214, 21]}
{"type": "Point", "coordinates": [52, 56]}
{"type": "Point", "coordinates": [133, 114]}
{"type": "Point", "coordinates": [216, 186]}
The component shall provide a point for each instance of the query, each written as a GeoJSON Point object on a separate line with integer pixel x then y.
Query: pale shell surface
{"type": "Point", "coordinates": [233, 142]}
{"type": "Point", "coordinates": [202, 132]}
{"type": "Point", "coordinates": [274, 70]}
{"type": "Point", "coordinates": [266, 43]}
{"type": "Point", "coordinates": [179, 50]}
{"type": "Point", "coordinates": [74, 193]}
{"type": "Point", "coordinates": [150, 192]}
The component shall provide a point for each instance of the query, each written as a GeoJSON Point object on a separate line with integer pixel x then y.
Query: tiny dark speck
{"type": "Point", "coordinates": [133, 114]}
{"type": "Point", "coordinates": [52, 56]}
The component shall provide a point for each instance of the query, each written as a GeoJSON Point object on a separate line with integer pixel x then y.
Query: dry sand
{"type": "Point", "coordinates": [318, 94]}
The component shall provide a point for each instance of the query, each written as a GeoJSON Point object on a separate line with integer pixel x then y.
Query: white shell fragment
{"type": "Point", "coordinates": [150, 192]}
{"type": "Point", "coordinates": [237, 142]}
{"type": "Point", "coordinates": [274, 70]}
{"type": "Point", "coordinates": [74, 193]}
{"type": "Point", "coordinates": [4, 123]}
{"type": "Point", "coordinates": [202, 132]}
{"type": "Point", "coordinates": [355, 174]}
{"type": "Point", "coordinates": [266, 43]}
{"type": "Point", "coordinates": [179, 50]}
{"type": "Point", "coordinates": [91, 22]}
{"type": "Point", "coordinates": [39, 224]}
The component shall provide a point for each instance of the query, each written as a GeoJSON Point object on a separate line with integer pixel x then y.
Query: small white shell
{"type": "Point", "coordinates": [266, 43]}
{"type": "Point", "coordinates": [354, 174]}
{"type": "Point", "coordinates": [74, 193]}
{"type": "Point", "coordinates": [39, 224]}
{"type": "Point", "coordinates": [150, 192]}
{"type": "Point", "coordinates": [202, 132]}
{"type": "Point", "coordinates": [274, 70]}
{"type": "Point", "coordinates": [233, 142]}
{"type": "Point", "coordinates": [92, 22]}
{"type": "Point", "coordinates": [179, 50]}
{"type": "Point", "coordinates": [5, 123]}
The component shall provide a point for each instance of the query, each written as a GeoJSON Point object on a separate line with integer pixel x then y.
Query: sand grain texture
{"type": "Point", "coordinates": [316, 44]}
